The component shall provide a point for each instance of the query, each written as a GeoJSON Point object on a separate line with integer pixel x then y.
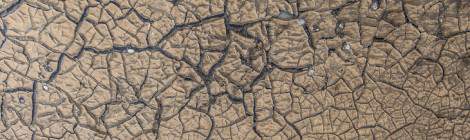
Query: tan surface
{"type": "Point", "coordinates": [235, 69]}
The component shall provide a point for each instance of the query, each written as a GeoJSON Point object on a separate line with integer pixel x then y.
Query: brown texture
{"type": "Point", "coordinates": [234, 69]}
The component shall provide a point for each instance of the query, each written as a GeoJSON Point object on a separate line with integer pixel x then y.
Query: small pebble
{"type": "Point", "coordinates": [441, 19]}
{"type": "Point", "coordinates": [375, 4]}
{"type": "Point", "coordinates": [311, 72]}
{"type": "Point", "coordinates": [346, 46]}
{"type": "Point", "coordinates": [45, 87]}
{"type": "Point", "coordinates": [130, 50]}
{"type": "Point", "coordinates": [316, 28]}
{"type": "Point", "coordinates": [301, 21]}
{"type": "Point", "coordinates": [340, 26]}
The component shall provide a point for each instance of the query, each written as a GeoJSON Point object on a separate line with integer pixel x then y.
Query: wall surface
{"type": "Point", "coordinates": [234, 69]}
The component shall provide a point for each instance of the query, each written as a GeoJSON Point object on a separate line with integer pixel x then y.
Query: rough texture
{"type": "Point", "coordinates": [235, 69]}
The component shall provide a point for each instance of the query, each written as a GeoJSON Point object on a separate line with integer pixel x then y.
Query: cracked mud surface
{"type": "Point", "coordinates": [235, 69]}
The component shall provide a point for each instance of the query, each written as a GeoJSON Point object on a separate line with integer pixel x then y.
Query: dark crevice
{"type": "Point", "coordinates": [12, 8]}
{"type": "Point", "coordinates": [58, 68]}
{"type": "Point", "coordinates": [19, 89]}
{"type": "Point", "coordinates": [33, 108]}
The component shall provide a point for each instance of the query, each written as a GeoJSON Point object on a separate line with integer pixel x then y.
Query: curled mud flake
{"type": "Point", "coordinates": [45, 87]}
{"type": "Point", "coordinates": [130, 50]}
{"type": "Point", "coordinates": [21, 100]}
{"type": "Point", "coordinates": [301, 21]}
{"type": "Point", "coordinates": [375, 4]}
{"type": "Point", "coordinates": [285, 15]}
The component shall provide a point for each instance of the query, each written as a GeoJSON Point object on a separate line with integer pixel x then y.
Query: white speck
{"type": "Point", "coordinates": [341, 26]}
{"type": "Point", "coordinates": [346, 46]}
{"type": "Point", "coordinates": [130, 50]}
{"type": "Point", "coordinates": [316, 28]}
{"type": "Point", "coordinates": [32, 127]}
{"type": "Point", "coordinates": [301, 21]}
{"type": "Point", "coordinates": [311, 72]}
{"type": "Point", "coordinates": [374, 5]}
{"type": "Point", "coordinates": [45, 87]}
{"type": "Point", "coordinates": [441, 18]}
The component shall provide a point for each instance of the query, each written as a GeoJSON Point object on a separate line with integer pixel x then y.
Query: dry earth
{"type": "Point", "coordinates": [235, 69]}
